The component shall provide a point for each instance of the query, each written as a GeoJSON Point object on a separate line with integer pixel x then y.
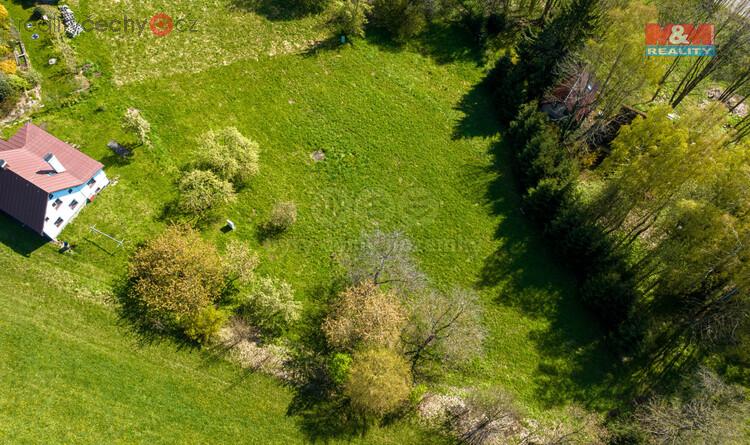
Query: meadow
{"type": "Point", "coordinates": [411, 144]}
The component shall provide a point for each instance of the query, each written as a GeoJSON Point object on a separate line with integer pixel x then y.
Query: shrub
{"type": "Point", "coordinates": [135, 123]}
{"type": "Point", "coordinates": [175, 275]}
{"type": "Point", "coordinates": [339, 367]}
{"type": "Point", "coordinates": [349, 17]}
{"type": "Point", "coordinates": [283, 216]}
{"type": "Point", "coordinates": [201, 191]}
{"type": "Point", "coordinates": [31, 76]}
{"type": "Point", "coordinates": [379, 382]}
{"type": "Point", "coordinates": [271, 306]}
{"type": "Point", "coordinates": [205, 325]}
{"type": "Point", "coordinates": [4, 16]}
{"type": "Point", "coordinates": [8, 66]}
{"type": "Point", "coordinates": [229, 154]}
{"type": "Point", "coordinates": [402, 18]}
{"type": "Point", "coordinates": [6, 88]}
{"type": "Point", "coordinates": [364, 315]}
{"type": "Point", "coordinates": [544, 201]}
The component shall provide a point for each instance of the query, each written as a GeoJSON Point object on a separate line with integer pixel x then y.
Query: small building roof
{"type": "Point", "coordinates": [25, 153]}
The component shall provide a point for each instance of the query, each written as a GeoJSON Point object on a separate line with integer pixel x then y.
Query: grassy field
{"type": "Point", "coordinates": [408, 137]}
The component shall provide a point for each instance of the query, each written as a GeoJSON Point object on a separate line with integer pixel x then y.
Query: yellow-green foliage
{"type": "Point", "coordinates": [379, 382]}
{"type": "Point", "coordinates": [204, 326]}
{"type": "Point", "coordinates": [176, 275]}
{"type": "Point", "coordinates": [8, 66]}
{"type": "Point", "coordinates": [365, 315]}
{"type": "Point", "coordinates": [4, 16]}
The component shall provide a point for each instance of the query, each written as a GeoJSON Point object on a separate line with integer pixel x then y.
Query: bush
{"type": "Point", "coordinates": [379, 382]}
{"type": "Point", "coordinates": [32, 77]}
{"type": "Point", "coordinates": [402, 18]}
{"type": "Point", "coordinates": [311, 6]}
{"type": "Point", "coordinates": [364, 315]}
{"type": "Point", "coordinates": [8, 66]}
{"type": "Point", "coordinates": [205, 325]}
{"type": "Point", "coordinates": [4, 16]}
{"type": "Point", "coordinates": [232, 156]}
{"type": "Point", "coordinates": [283, 216]}
{"type": "Point", "coordinates": [175, 276]}
{"type": "Point", "coordinates": [7, 91]}
{"type": "Point", "coordinates": [349, 17]}
{"type": "Point", "coordinates": [339, 367]}
{"type": "Point", "coordinates": [271, 306]}
{"type": "Point", "coordinates": [543, 202]}
{"type": "Point", "coordinates": [134, 122]}
{"type": "Point", "coordinates": [201, 191]}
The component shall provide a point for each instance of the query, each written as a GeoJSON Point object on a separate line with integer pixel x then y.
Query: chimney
{"type": "Point", "coordinates": [53, 162]}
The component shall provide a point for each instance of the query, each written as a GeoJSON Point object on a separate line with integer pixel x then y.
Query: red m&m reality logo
{"type": "Point", "coordinates": [680, 40]}
{"type": "Point", "coordinates": [161, 24]}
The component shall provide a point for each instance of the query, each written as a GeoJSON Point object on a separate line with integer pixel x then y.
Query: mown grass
{"type": "Point", "coordinates": [410, 145]}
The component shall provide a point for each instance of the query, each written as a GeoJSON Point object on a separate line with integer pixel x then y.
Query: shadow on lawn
{"type": "Point", "coordinates": [575, 364]}
{"type": "Point", "coordinates": [442, 42]}
{"type": "Point", "coordinates": [276, 10]}
{"type": "Point", "coordinates": [20, 239]}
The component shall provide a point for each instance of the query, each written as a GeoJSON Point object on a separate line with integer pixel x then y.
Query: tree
{"type": "Point", "coordinates": [175, 276]}
{"type": "Point", "coordinates": [201, 191]}
{"type": "Point", "coordinates": [539, 53]}
{"type": "Point", "coordinates": [378, 382]}
{"type": "Point", "coordinates": [349, 17]}
{"type": "Point", "coordinates": [135, 123]}
{"type": "Point", "coordinates": [364, 315]}
{"type": "Point", "coordinates": [204, 326]}
{"type": "Point", "coordinates": [271, 306]}
{"type": "Point", "coordinates": [241, 262]}
{"type": "Point", "coordinates": [385, 259]}
{"type": "Point", "coordinates": [229, 154]}
{"type": "Point", "coordinates": [488, 416]}
{"type": "Point", "coordinates": [444, 327]}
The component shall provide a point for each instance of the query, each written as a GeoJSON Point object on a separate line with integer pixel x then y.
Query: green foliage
{"type": "Point", "coordinates": [7, 91]}
{"type": "Point", "coordinates": [349, 17]}
{"type": "Point", "coordinates": [379, 382]}
{"type": "Point", "coordinates": [338, 368]}
{"type": "Point", "coordinates": [175, 276]}
{"type": "Point", "coordinates": [271, 307]}
{"type": "Point", "coordinates": [402, 18]}
{"type": "Point", "coordinates": [202, 191]}
{"type": "Point", "coordinates": [229, 154]}
{"type": "Point", "coordinates": [205, 325]}
{"type": "Point", "coordinates": [506, 84]}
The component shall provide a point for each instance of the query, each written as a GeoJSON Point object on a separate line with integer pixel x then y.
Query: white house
{"type": "Point", "coordinates": [44, 182]}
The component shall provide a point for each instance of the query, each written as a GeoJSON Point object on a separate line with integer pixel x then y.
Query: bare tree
{"type": "Point", "coordinates": [708, 411]}
{"type": "Point", "coordinates": [386, 259]}
{"type": "Point", "coordinates": [444, 327]}
{"type": "Point", "coordinates": [488, 416]}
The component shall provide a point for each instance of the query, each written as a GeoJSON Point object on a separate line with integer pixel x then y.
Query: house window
{"type": "Point", "coordinates": [59, 222]}
{"type": "Point", "coordinates": [51, 196]}
{"type": "Point", "coordinates": [91, 182]}
{"type": "Point", "coordinates": [70, 190]}
{"type": "Point", "coordinates": [74, 204]}
{"type": "Point", "coordinates": [46, 219]}
{"type": "Point", "coordinates": [57, 203]}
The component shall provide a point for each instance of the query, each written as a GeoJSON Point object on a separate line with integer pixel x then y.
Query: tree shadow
{"type": "Point", "coordinates": [479, 118]}
{"type": "Point", "coordinates": [274, 10]}
{"type": "Point", "coordinates": [576, 365]}
{"type": "Point", "coordinates": [444, 43]}
{"type": "Point", "coordinates": [18, 238]}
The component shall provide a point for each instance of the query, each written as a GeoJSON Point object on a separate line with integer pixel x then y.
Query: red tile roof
{"type": "Point", "coordinates": [25, 150]}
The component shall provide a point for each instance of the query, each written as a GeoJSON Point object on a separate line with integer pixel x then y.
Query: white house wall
{"type": "Point", "coordinates": [81, 193]}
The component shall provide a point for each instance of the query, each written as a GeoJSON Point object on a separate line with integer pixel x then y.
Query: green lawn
{"type": "Point", "coordinates": [408, 138]}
